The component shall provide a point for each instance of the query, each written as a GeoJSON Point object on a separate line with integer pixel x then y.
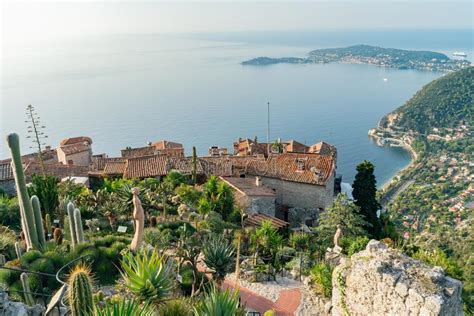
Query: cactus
{"type": "Point", "coordinates": [80, 292]}
{"type": "Point", "coordinates": [3, 260]}
{"type": "Point", "coordinates": [49, 228]}
{"type": "Point", "coordinates": [58, 236]}
{"type": "Point", "coordinates": [26, 209]}
{"type": "Point", "coordinates": [25, 282]}
{"type": "Point", "coordinates": [18, 250]}
{"type": "Point", "coordinates": [194, 174]}
{"type": "Point", "coordinates": [38, 220]}
{"type": "Point", "coordinates": [78, 225]}
{"type": "Point", "coordinates": [72, 225]}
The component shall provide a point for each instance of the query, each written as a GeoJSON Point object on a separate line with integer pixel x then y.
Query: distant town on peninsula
{"type": "Point", "coordinates": [372, 55]}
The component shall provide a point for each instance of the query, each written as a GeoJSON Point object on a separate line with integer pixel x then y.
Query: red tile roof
{"type": "Point", "coordinates": [304, 168]}
{"type": "Point", "coordinates": [248, 187]}
{"type": "Point", "coordinates": [56, 169]}
{"type": "Point", "coordinates": [138, 152]}
{"type": "Point", "coordinates": [100, 162]}
{"type": "Point", "coordinates": [257, 219]}
{"type": "Point", "coordinates": [115, 167]}
{"type": "Point", "coordinates": [142, 167]}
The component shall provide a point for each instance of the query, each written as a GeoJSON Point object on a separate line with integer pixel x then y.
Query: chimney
{"type": "Point", "coordinates": [258, 181]}
{"type": "Point", "coordinates": [48, 147]}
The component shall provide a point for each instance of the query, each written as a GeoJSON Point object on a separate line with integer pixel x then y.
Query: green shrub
{"type": "Point", "coordinates": [357, 244]}
{"type": "Point", "coordinates": [285, 254]}
{"type": "Point", "coordinates": [321, 274]}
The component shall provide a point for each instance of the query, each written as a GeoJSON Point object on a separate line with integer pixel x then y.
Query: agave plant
{"type": "Point", "coordinates": [126, 308]}
{"type": "Point", "coordinates": [219, 303]}
{"type": "Point", "coordinates": [148, 275]}
{"type": "Point", "coordinates": [178, 307]}
{"type": "Point", "coordinates": [218, 256]}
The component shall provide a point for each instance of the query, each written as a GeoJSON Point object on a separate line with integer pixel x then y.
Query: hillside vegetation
{"type": "Point", "coordinates": [442, 103]}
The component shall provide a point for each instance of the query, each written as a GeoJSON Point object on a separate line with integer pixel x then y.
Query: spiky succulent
{"type": "Point", "coordinates": [126, 308]}
{"type": "Point", "coordinates": [80, 291]}
{"type": "Point", "coordinates": [148, 275]}
{"type": "Point", "coordinates": [219, 303]}
{"type": "Point", "coordinates": [218, 256]}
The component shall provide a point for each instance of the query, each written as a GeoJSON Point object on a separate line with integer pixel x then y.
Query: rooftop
{"type": "Point", "coordinates": [247, 186]}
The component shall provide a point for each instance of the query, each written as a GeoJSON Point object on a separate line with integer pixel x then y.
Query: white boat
{"type": "Point", "coordinates": [385, 79]}
{"type": "Point", "coordinates": [460, 54]}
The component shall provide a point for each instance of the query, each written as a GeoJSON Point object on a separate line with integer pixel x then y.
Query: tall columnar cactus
{"type": "Point", "coordinates": [80, 292]}
{"type": "Point", "coordinates": [49, 227]}
{"type": "Point", "coordinates": [72, 225]}
{"type": "Point", "coordinates": [25, 282]}
{"type": "Point", "coordinates": [38, 220]}
{"type": "Point", "coordinates": [18, 250]}
{"type": "Point", "coordinates": [26, 210]}
{"type": "Point", "coordinates": [78, 225]}
{"type": "Point", "coordinates": [194, 175]}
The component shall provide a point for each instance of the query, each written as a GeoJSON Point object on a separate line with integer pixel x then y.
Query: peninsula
{"type": "Point", "coordinates": [372, 55]}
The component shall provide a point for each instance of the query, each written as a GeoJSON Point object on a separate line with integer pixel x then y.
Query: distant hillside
{"type": "Point", "coordinates": [396, 55]}
{"type": "Point", "coordinates": [441, 103]}
{"type": "Point", "coordinates": [372, 55]}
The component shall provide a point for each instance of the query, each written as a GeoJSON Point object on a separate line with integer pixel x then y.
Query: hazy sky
{"type": "Point", "coordinates": [37, 19]}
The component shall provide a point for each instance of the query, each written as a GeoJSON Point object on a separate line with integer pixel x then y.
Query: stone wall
{"type": "Point", "coordinates": [383, 281]}
{"type": "Point", "coordinates": [8, 186]}
{"type": "Point", "coordinates": [255, 204]}
{"type": "Point", "coordinates": [302, 195]}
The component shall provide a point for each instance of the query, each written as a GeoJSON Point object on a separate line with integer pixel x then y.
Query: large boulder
{"type": "Point", "coordinates": [383, 281]}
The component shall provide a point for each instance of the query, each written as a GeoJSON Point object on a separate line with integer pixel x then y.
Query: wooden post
{"type": "Point", "coordinates": [237, 262]}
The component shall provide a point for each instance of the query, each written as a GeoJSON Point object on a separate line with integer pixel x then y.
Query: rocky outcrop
{"type": "Point", "coordinates": [11, 308]}
{"type": "Point", "coordinates": [383, 281]}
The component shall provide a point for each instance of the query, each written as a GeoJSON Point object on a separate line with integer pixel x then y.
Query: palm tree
{"type": "Point", "coordinates": [218, 256]}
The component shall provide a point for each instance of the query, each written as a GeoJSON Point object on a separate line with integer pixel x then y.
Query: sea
{"type": "Point", "coordinates": [130, 89]}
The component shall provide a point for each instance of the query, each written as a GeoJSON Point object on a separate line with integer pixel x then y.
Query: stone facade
{"type": "Point", "coordinates": [383, 281]}
{"type": "Point", "coordinates": [302, 195]}
{"type": "Point", "coordinates": [8, 186]}
{"type": "Point", "coordinates": [256, 204]}
{"type": "Point", "coordinates": [299, 216]}
{"type": "Point", "coordinates": [83, 158]}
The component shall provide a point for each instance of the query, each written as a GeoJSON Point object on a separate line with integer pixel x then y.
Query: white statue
{"type": "Point", "coordinates": [337, 237]}
{"type": "Point", "coordinates": [139, 220]}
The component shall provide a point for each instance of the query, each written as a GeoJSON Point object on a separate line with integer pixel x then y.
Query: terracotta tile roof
{"type": "Point", "coordinates": [56, 169]}
{"type": "Point", "coordinates": [6, 171]}
{"type": "Point", "coordinates": [304, 168]}
{"type": "Point", "coordinates": [142, 167]}
{"type": "Point", "coordinates": [248, 187]}
{"type": "Point", "coordinates": [184, 165]}
{"type": "Point", "coordinates": [75, 148]}
{"type": "Point", "coordinates": [48, 155]}
{"type": "Point", "coordinates": [75, 140]}
{"type": "Point", "coordinates": [115, 167]}
{"type": "Point", "coordinates": [99, 163]}
{"type": "Point", "coordinates": [257, 219]}
{"type": "Point", "coordinates": [138, 152]}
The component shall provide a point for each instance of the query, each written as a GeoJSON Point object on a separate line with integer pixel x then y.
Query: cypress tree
{"type": "Point", "coordinates": [364, 193]}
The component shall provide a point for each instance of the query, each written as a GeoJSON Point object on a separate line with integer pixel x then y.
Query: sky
{"type": "Point", "coordinates": [32, 20]}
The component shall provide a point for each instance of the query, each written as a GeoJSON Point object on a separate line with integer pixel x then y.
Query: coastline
{"type": "Point", "coordinates": [378, 141]}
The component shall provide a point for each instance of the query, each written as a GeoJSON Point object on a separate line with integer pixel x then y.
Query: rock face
{"type": "Point", "coordinates": [383, 281]}
{"type": "Point", "coordinates": [10, 308]}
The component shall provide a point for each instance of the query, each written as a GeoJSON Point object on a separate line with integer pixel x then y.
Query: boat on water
{"type": "Point", "coordinates": [460, 54]}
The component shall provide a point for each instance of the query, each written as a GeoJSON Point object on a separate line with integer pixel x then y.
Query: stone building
{"type": "Point", "coordinates": [75, 151]}
{"type": "Point", "coordinates": [252, 196]}
{"type": "Point", "coordinates": [159, 148]}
